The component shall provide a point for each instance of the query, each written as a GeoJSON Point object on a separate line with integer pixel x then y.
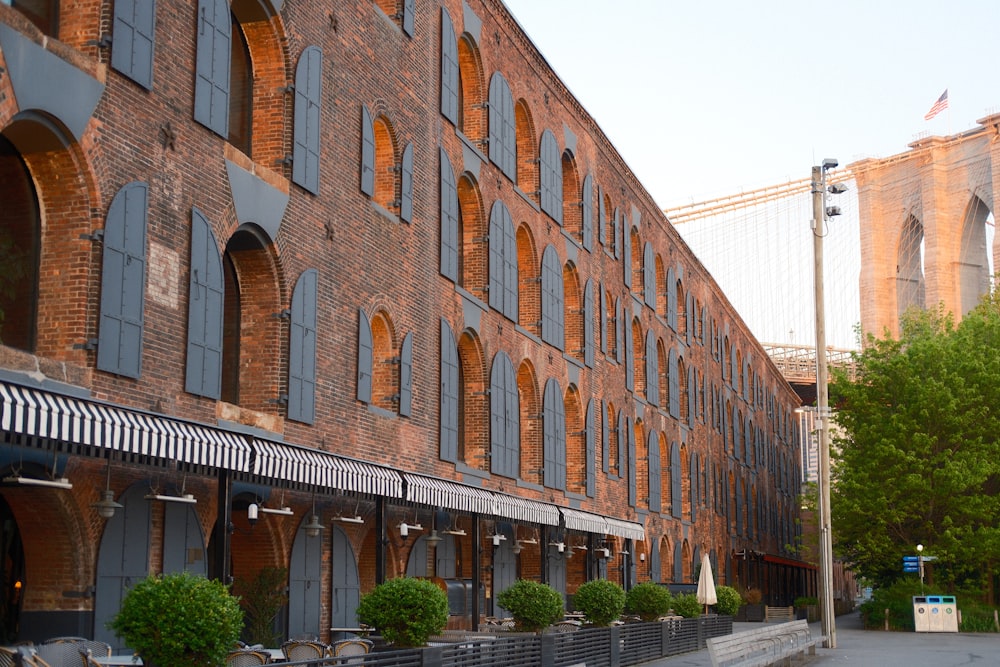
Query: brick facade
{"type": "Point", "coordinates": [721, 403]}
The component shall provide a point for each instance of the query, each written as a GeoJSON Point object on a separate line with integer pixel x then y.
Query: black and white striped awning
{"type": "Point", "coordinates": [48, 416]}
{"type": "Point", "coordinates": [601, 525]}
{"type": "Point", "coordinates": [322, 470]}
{"type": "Point", "coordinates": [584, 521]}
{"type": "Point", "coordinates": [465, 498]}
{"type": "Point", "coordinates": [627, 529]}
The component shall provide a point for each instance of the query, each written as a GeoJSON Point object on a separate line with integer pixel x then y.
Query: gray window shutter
{"type": "Point", "coordinates": [627, 245]}
{"type": "Point", "coordinates": [602, 217]}
{"type": "Point", "coordinates": [550, 173]}
{"type": "Point", "coordinates": [502, 127]}
{"type": "Point", "coordinates": [504, 418]}
{"type": "Point", "coordinates": [692, 390]}
{"type": "Point", "coordinates": [449, 395]}
{"type": "Point", "coordinates": [678, 562]}
{"type": "Point", "coordinates": [629, 352]}
{"type": "Point", "coordinates": [406, 185]}
{"type": "Point", "coordinates": [302, 350]}
{"type": "Point", "coordinates": [552, 299]}
{"type": "Point", "coordinates": [674, 384]}
{"type": "Point", "coordinates": [211, 91]}
{"type": "Point", "coordinates": [408, 14]}
{"type": "Point", "coordinates": [513, 412]}
{"type": "Point", "coordinates": [655, 481]}
{"type": "Point", "coordinates": [449, 220]}
{"type": "Point", "coordinates": [306, 129]}
{"type": "Point", "coordinates": [689, 320]}
{"type": "Point", "coordinates": [365, 357]}
{"type": "Point", "coordinates": [134, 37]}
{"type": "Point", "coordinates": [591, 443]}
{"type": "Point", "coordinates": [654, 563]}
{"type": "Point", "coordinates": [622, 443]}
{"type": "Point", "coordinates": [588, 324]}
{"type": "Point", "coordinates": [305, 568]}
{"type": "Point", "coordinates": [554, 437]}
{"type": "Point", "coordinates": [617, 233]}
{"type": "Point", "coordinates": [367, 152]}
{"type": "Point", "coordinates": [587, 212]}
{"type": "Point", "coordinates": [649, 275]}
{"type": "Point", "coordinates": [737, 424]}
{"type": "Point", "coordinates": [510, 280]}
{"type": "Point", "coordinates": [204, 342]}
{"type": "Point", "coordinates": [693, 487]}
{"type": "Point", "coordinates": [652, 370]}
{"type": "Point", "coordinates": [604, 320]}
{"type": "Point", "coordinates": [123, 283]}
{"type": "Point", "coordinates": [449, 68]}
{"type": "Point", "coordinates": [498, 215]}
{"type": "Point", "coordinates": [676, 499]}
{"type": "Point", "coordinates": [619, 334]}
{"type": "Point", "coordinates": [605, 438]}
{"type": "Point", "coordinates": [183, 541]}
{"type": "Point", "coordinates": [406, 376]}
{"type": "Point", "coordinates": [630, 463]}
{"type": "Point", "coordinates": [671, 298]}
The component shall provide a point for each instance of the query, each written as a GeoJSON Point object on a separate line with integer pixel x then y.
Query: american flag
{"type": "Point", "coordinates": [939, 106]}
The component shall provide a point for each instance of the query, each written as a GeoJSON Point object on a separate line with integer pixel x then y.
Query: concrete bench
{"type": "Point", "coordinates": [776, 644]}
{"type": "Point", "coordinates": [779, 614]}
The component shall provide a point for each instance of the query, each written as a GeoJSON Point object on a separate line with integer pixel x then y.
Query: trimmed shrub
{"type": "Point", "coordinates": [179, 620]}
{"type": "Point", "coordinates": [534, 606]}
{"type": "Point", "coordinates": [729, 600]}
{"type": "Point", "coordinates": [687, 605]}
{"type": "Point", "coordinates": [648, 600]}
{"type": "Point", "coordinates": [262, 598]}
{"type": "Point", "coordinates": [406, 611]}
{"type": "Point", "coordinates": [601, 601]}
{"type": "Point", "coordinates": [806, 601]}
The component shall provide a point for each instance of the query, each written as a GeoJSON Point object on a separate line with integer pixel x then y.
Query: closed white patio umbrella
{"type": "Point", "coordinates": [706, 584]}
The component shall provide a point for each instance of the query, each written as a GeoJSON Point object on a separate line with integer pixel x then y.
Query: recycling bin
{"type": "Point", "coordinates": [935, 613]}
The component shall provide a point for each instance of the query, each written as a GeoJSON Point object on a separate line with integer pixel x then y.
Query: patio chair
{"type": "Point", "coordinates": [296, 650]}
{"type": "Point", "coordinates": [246, 658]}
{"type": "Point", "coordinates": [87, 659]}
{"type": "Point", "coordinates": [356, 646]}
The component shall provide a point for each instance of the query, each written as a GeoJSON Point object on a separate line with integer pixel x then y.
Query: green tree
{"type": "Point", "coordinates": [917, 460]}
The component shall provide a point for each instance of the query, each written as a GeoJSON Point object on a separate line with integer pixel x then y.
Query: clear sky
{"type": "Point", "coordinates": [707, 98]}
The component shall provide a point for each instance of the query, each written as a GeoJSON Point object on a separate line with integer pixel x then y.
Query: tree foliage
{"type": "Point", "coordinates": [916, 457]}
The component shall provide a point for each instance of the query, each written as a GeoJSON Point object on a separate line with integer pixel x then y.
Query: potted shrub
{"type": "Point", "coordinates": [262, 598]}
{"type": "Point", "coordinates": [807, 607]}
{"type": "Point", "coordinates": [752, 609]}
{"type": "Point", "coordinates": [406, 611]}
{"type": "Point", "coordinates": [729, 600]}
{"type": "Point", "coordinates": [179, 620]}
{"type": "Point", "coordinates": [648, 601]}
{"type": "Point", "coordinates": [601, 601]}
{"type": "Point", "coordinates": [687, 605]}
{"type": "Point", "coordinates": [534, 606]}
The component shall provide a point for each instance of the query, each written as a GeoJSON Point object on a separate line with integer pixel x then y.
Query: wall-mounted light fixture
{"type": "Point", "coordinates": [280, 510]}
{"type": "Point", "coordinates": [498, 538]}
{"type": "Point", "coordinates": [313, 528]}
{"type": "Point", "coordinates": [602, 552]}
{"type": "Point", "coordinates": [182, 497]}
{"type": "Point", "coordinates": [560, 546]}
{"type": "Point", "coordinates": [106, 506]}
{"type": "Point", "coordinates": [518, 547]}
{"type": "Point", "coordinates": [185, 498]}
{"type": "Point", "coordinates": [642, 556]}
{"type": "Point", "coordinates": [405, 528]}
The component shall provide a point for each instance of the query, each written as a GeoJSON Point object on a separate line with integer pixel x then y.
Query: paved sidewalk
{"type": "Point", "coordinates": [864, 648]}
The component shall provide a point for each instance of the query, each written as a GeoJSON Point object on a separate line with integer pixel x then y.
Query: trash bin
{"type": "Point", "coordinates": [921, 614]}
{"type": "Point", "coordinates": [935, 613]}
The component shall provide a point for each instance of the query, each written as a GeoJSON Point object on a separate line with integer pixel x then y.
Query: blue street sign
{"type": "Point", "coordinates": [911, 559]}
{"type": "Point", "coordinates": [911, 567]}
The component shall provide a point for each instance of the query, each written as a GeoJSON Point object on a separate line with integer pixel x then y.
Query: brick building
{"type": "Point", "coordinates": [369, 272]}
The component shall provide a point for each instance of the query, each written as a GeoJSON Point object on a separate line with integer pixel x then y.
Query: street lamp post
{"type": "Point", "coordinates": [820, 214]}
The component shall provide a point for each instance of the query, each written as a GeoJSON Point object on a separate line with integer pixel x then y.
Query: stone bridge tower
{"type": "Point", "coordinates": [927, 219]}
